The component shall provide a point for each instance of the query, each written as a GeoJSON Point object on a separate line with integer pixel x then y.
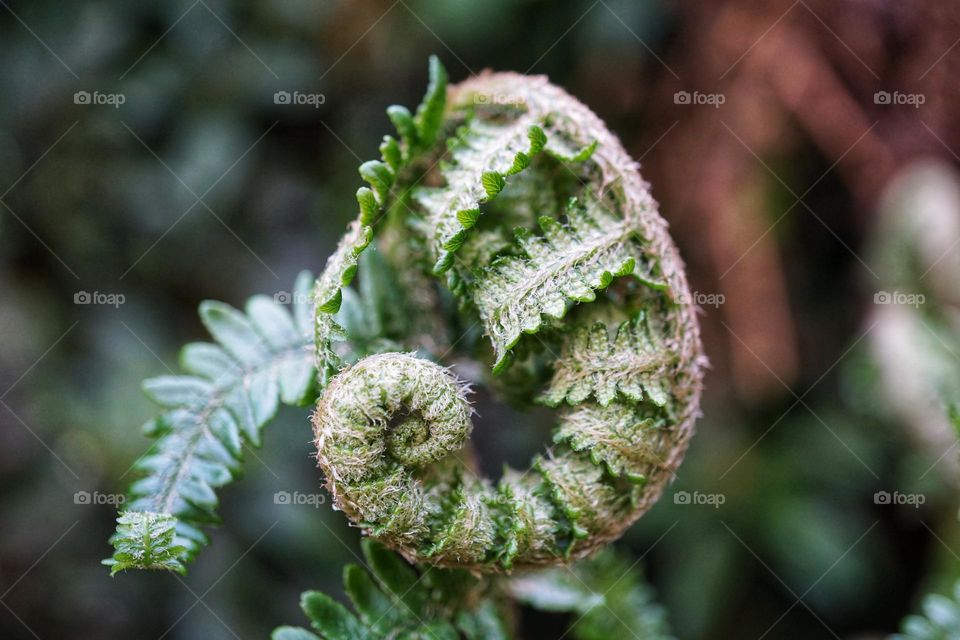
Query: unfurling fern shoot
{"type": "Point", "coordinates": [506, 206]}
{"type": "Point", "coordinates": [506, 239]}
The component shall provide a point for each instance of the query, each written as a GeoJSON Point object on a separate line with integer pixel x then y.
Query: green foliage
{"type": "Point", "coordinates": [392, 600]}
{"type": "Point", "coordinates": [417, 135]}
{"type": "Point", "coordinates": [940, 619]}
{"type": "Point", "coordinates": [606, 595]}
{"type": "Point", "coordinates": [569, 262]}
{"type": "Point", "coordinates": [145, 540]}
{"type": "Point", "coordinates": [633, 363]}
{"type": "Point", "coordinates": [232, 389]}
{"type": "Point", "coordinates": [484, 154]}
{"type": "Point", "coordinates": [388, 425]}
{"type": "Point", "coordinates": [391, 417]}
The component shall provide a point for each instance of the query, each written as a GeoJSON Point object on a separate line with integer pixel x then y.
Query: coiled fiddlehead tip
{"type": "Point", "coordinates": [388, 410]}
{"type": "Point", "coordinates": [540, 224]}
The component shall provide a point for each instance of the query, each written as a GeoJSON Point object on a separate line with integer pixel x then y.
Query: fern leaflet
{"type": "Point", "coordinates": [569, 262]}
{"type": "Point", "coordinates": [232, 389]}
{"type": "Point", "coordinates": [393, 601]}
{"type": "Point", "coordinates": [145, 540]}
{"type": "Point", "coordinates": [633, 363]}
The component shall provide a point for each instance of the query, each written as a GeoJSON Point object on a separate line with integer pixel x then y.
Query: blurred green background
{"type": "Point", "coordinates": [202, 185]}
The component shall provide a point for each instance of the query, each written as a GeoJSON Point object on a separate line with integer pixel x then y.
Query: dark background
{"type": "Point", "coordinates": [200, 186]}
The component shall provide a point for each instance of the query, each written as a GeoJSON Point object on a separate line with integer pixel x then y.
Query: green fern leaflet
{"type": "Point", "coordinates": [392, 600]}
{"type": "Point", "coordinates": [232, 389]}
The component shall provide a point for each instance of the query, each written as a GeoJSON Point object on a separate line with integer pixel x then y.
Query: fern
{"type": "Point", "coordinates": [232, 389]}
{"type": "Point", "coordinates": [417, 134]}
{"type": "Point", "coordinates": [476, 173]}
{"type": "Point", "coordinates": [568, 263]}
{"type": "Point", "coordinates": [633, 364]}
{"type": "Point", "coordinates": [940, 619]}
{"type": "Point", "coordinates": [328, 292]}
{"type": "Point", "coordinates": [146, 540]}
{"type": "Point", "coordinates": [388, 425]}
{"type": "Point", "coordinates": [472, 186]}
{"type": "Point", "coordinates": [606, 601]}
{"type": "Point", "coordinates": [393, 601]}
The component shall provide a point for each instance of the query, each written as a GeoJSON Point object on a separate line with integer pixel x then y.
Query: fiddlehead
{"type": "Point", "coordinates": [550, 243]}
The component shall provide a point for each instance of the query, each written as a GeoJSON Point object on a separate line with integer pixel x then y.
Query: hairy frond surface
{"type": "Point", "coordinates": [521, 245]}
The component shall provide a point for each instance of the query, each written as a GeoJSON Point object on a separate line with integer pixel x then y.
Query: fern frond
{"type": "Point", "coordinates": [388, 425]}
{"type": "Point", "coordinates": [940, 619]}
{"type": "Point", "coordinates": [606, 602]}
{"type": "Point", "coordinates": [232, 389]}
{"type": "Point", "coordinates": [568, 263]}
{"type": "Point", "coordinates": [634, 364]}
{"type": "Point", "coordinates": [484, 155]}
{"type": "Point", "coordinates": [339, 272]}
{"type": "Point", "coordinates": [623, 437]}
{"type": "Point", "coordinates": [392, 600]}
{"type": "Point", "coordinates": [417, 135]}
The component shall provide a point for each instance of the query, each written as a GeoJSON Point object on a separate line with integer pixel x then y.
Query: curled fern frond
{"type": "Point", "coordinates": [232, 389]}
{"type": "Point", "coordinates": [393, 600]}
{"type": "Point", "coordinates": [552, 247]}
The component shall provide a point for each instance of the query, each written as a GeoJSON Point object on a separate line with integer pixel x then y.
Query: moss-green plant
{"type": "Point", "coordinates": [550, 242]}
{"type": "Point", "coordinates": [393, 600]}
{"type": "Point", "coordinates": [505, 239]}
{"type": "Point", "coordinates": [231, 391]}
